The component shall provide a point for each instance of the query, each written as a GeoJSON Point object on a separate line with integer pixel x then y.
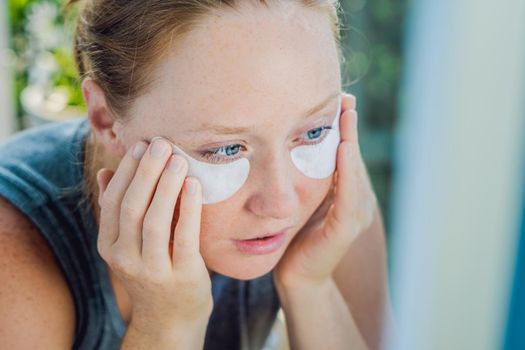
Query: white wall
{"type": "Point", "coordinates": [460, 174]}
{"type": "Point", "coordinates": [7, 120]}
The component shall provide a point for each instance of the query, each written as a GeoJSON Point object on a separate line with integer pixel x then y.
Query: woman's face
{"type": "Point", "coordinates": [246, 80]}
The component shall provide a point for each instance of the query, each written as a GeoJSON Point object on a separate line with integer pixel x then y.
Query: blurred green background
{"type": "Point", "coordinates": [372, 40]}
{"type": "Point", "coordinates": [371, 35]}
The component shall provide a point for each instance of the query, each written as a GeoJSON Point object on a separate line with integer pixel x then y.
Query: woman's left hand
{"type": "Point", "coordinates": [346, 211]}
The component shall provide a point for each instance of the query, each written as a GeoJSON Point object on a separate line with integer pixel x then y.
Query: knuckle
{"type": "Point", "coordinates": [151, 224]}
{"type": "Point", "coordinates": [128, 210]}
{"type": "Point", "coordinates": [156, 278]}
{"type": "Point", "coordinates": [147, 171]}
{"type": "Point", "coordinates": [107, 200]}
{"type": "Point", "coordinates": [151, 229]}
{"type": "Point", "coordinates": [181, 243]}
{"type": "Point", "coordinates": [123, 265]}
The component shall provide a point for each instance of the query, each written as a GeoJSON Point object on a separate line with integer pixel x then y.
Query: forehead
{"type": "Point", "coordinates": [260, 62]}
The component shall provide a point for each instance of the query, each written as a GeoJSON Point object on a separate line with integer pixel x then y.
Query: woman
{"type": "Point", "coordinates": [199, 195]}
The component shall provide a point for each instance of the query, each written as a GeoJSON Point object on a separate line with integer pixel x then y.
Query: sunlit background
{"type": "Point", "coordinates": [440, 88]}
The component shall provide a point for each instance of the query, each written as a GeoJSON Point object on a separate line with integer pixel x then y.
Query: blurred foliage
{"type": "Point", "coordinates": [67, 75]}
{"type": "Point", "coordinates": [372, 41]}
{"type": "Point", "coordinates": [27, 45]}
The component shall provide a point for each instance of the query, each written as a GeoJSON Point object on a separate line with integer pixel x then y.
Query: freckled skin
{"type": "Point", "coordinates": [261, 68]}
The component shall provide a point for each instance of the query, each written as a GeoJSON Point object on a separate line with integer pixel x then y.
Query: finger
{"type": "Point", "coordinates": [111, 198]}
{"type": "Point", "coordinates": [350, 165]}
{"type": "Point", "coordinates": [346, 195]}
{"type": "Point", "coordinates": [187, 231]}
{"type": "Point", "coordinates": [348, 101]}
{"type": "Point", "coordinates": [103, 178]}
{"type": "Point", "coordinates": [157, 222]}
{"type": "Point", "coordinates": [139, 194]}
{"type": "Point", "coordinates": [348, 126]}
{"type": "Point", "coordinates": [354, 198]}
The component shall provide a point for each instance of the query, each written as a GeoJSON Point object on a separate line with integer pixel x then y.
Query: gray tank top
{"type": "Point", "coordinates": [41, 173]}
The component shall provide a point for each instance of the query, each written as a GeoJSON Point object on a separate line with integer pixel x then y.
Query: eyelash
{"type": "Point", "coordinates": [211, 154]}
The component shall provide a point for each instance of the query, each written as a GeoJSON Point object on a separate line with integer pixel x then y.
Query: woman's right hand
{"type": "Point", "coordinates": [137, 205]}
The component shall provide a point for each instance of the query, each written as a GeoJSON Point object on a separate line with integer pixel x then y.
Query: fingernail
{"type": "Point", "coordinates": [175, 164]}
{"type": "Point", "coordinates": [139, 150]}
{"type": "Point", "coordinates": [159, 148]}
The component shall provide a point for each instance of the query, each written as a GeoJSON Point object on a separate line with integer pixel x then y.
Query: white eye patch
{"type": "Point", "coordinates": [218, 181]}
{"type": "Point", "coordinates": [221, 181]}
{"type": "Point", "coordinates": [318, 161]}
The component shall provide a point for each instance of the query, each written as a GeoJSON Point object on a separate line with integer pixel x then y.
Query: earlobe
{"type": "Point", "coordinates": [101, 119]}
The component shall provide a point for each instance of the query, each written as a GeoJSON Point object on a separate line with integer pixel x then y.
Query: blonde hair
{"type": "Point", "coordinates": [117, 44]}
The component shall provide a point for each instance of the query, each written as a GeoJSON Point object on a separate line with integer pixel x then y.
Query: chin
{"type": "Point", "coordinates": [243, 267]}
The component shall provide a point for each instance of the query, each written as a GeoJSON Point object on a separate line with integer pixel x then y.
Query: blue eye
{"type": "Point", "coordinates": [317, 134]}
{"type": "Point", "coordinates": [229, 153]}
{"type": "Point", "coordinates": [230, 149]}
{"type": "Point", "coordinates": [222, 154]}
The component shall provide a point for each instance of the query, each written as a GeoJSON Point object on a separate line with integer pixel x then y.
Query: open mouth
{"type": "Point", "coordinates": [261, 245]}
{"type": "Point", "coordinates": [261, 238]}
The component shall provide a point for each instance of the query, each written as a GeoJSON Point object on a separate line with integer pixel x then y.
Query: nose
{"type": "Point", "coordinates": [274, 193]}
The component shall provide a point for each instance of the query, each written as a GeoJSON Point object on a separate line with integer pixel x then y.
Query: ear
{"type": "Point", "coordinates": [102, 120]}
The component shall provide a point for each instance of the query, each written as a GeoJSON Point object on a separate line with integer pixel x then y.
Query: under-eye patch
{"type": "Point", "coordinates": [218, 181]}
{"type": "Point", "coordinates": [318, 161]}
{"type": "Point", "coordinates": [221, 181]}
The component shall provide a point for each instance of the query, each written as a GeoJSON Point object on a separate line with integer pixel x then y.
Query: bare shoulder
{"type": "Point", "coordinates": [37, 307]}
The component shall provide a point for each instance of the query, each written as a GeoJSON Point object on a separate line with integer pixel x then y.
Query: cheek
{"type": "Point", "coordinates": [222, 220]}
{"type": "Point", "coordinates": [214, 222]}
{"type": "Point", "coordinates": [218, 222]}
{"type": "Point", "coordinates": [313, 194]}
{"type": "Point", "coordinates": [220, 217]}
{"type": "Point", "coordinates": [319, 188]}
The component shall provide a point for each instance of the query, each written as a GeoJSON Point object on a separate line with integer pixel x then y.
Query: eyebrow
{"type": "Point", "coordinates": [231, 130]}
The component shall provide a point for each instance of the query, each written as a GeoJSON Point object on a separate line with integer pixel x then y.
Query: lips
{"type": "Point", "coordinates": [265, 235]}
{"type": "Point", "coordinates": [267, 245]}
{"type": "Point", "coordinates": [261, 238]}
